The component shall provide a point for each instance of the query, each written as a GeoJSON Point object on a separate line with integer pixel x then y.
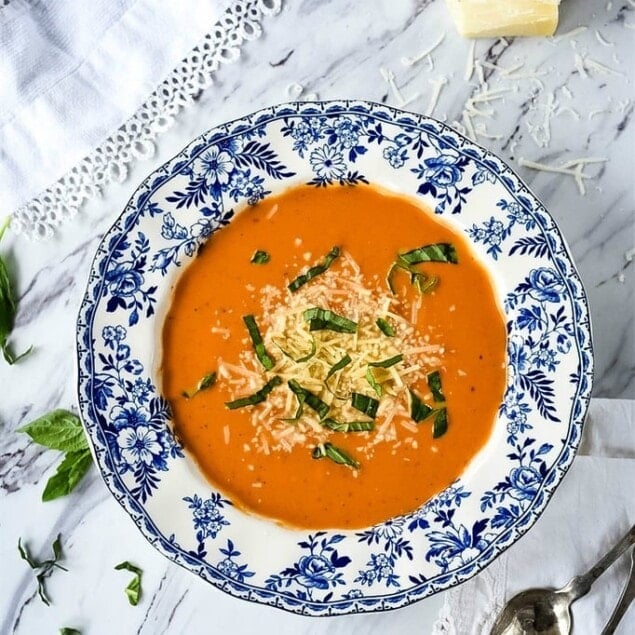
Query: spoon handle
{"type": "Point", "coordinates": [627, 597]}
{"type": "Point", "coordinates": [581, 584]}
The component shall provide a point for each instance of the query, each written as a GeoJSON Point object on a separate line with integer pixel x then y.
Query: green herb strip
{"type": "Point", "coordinates": [260, 257]}
{"type": "Point", "coordinates": [258, 397]}
{"type": "Point", "coordinates": [62, 430]}
{"type": "Point", "coordinates": [8, 309]}
{"type": "Point", "coordinates": [345, 361]}
{"type": "Point", "coordinates": [365, 404]}
{"type": "Point", "coordinates": [434, 383]}
{"type": "Point", "coordinates": [385, 327]}
{"type": "Point", "coordinates": [311, 400]}
{"type": "Point", "coordinates": [304, 358]}
{"type": "Point", "coordinates": [440, 426]}
{"type": "Point", "coordinates": [348, 426]}
{"type": "Point", "coordinates": [387, 363]}
{"type": "Point", "coordinates": [437, 252]}
{"type": "Point", "coordinates": [334, 453]}
{"type": "Point", "coordinates": [374, 384]}
{"type": "Point", "coordinates": [314, 271]}
{"type": "Point", "coordinates": [133, 590]}
{"type": "Point", "coordinates": [256, 340]}
{"type": "Point", "coordinates": [418, 410]}
{"type": "Point", "coordinates": [204, 383]}
{"type": "Point", "coordinates": [69, 631]}
{"type": "Point", "coordinates": [323, 319]}
{"type": "Point", "coordinates": [423, 283]}
{"type": "Point", "coordinates": [298, 413]}
{"type": "Point", "coordinates": [43, 569]}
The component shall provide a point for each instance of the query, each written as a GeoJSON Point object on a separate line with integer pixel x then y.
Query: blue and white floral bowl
{"type": "Point", "coordinates": [333, 144]}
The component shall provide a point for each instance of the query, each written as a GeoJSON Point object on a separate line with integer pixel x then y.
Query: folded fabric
{"type": "Point", "coordinates": [591, 509]}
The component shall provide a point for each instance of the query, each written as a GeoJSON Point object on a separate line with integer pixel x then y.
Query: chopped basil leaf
{"type": "Point", "coordinates": [348, 426]}
{"type": "Point", "coordinates": [365, 404]}
{"type": "Point", "coordinates": [314, 271]}
{"type": "Point", "coordinates": [437, 252]}
{"type": "Point", "coordinates": [334, 453]}
{"type": "Point", "coordinates": [45, 568]}
{"type": "Point", "coordinates": [387, 363]}
{"type": "Point", "coordinates": [423, 283]}
{"type": "Point", "coordinates": [301, 397]}
{"type": "Point", "coordinates": [304, 358]}
{"type": "Point", "coordinates": [133, 590]}
{"type": "Point", "coordinates": [323, 319]}
{"type": "Point", "coordinates": [258, 397]}
{"type": "Point", "coordinates": [68, 475]}
{"type": "Point", "coordinates": [205, 382]}
{"type": "Point", "coordinates": [440, 425]}
{"type": "Point", "coordinates": [345, 361]}
{"type": "Point", "coordinates": [256, 340]}
{"type": "Point", "coordinates": [260, 257]}
{"type": "Point", "coordinates": [8, 308]}
{"type": "Point", "coordinates": [418, 410]}
{"type": "Point", "coordinates": [434, 382]}
{"type": "Point", "coordinates": [374, 384]}
{"type": "Point", "coordinates": [69, 631]}
{"type": "Point", "coordinates": [385, 327]}
{"type": "Point", "coordinates": [311, 400]}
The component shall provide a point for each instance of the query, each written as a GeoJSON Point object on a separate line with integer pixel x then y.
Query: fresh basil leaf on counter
{"type": "Point", "coordinates": [133, 590]}
{"type": "Point", "coordinates": [43, 569]}
{"type": "Point", "coordinates": [62, 430]}
{"type": "Point", "coordinates": [69, 631]}
{"type": "Point", "coordinates": [8, 308]}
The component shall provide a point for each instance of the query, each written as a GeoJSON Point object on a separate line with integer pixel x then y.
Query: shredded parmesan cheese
{"type": "Point", "coordinates": [572, 168]}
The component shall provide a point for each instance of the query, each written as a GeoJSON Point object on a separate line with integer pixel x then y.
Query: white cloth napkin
{"type": "Point", "coordinates": [72, 72]}
{"type": "Point", "coordinates": [589, 512]}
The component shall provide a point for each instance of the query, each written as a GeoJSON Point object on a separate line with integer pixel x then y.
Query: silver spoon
{"type": "Point", "coordinates": [548, 611]}
{"type": "Point", "coordinates": [627, 597]}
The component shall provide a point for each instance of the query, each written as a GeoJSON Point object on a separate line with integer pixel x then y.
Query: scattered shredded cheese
{"type": "Point", "coordinates": [572, 168]}
{"type": "Point", "coordinates": [411, 61]}
{"type": "Point", "coordinates": [437, 85]}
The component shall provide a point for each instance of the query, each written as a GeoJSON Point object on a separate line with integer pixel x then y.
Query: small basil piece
{"type": "Point", "coordinates": [260, 257]}
{"type": "Point", "coordinates": [434, 383]}
{"type": "Point", "coordinates": [207, 381]}
{"type": "Point", "coordinates": [345, 361]}
{"type": "Point", "coordinates": [311, 400]}
{"type": "Point", "coordinates": [69, 631]}
{"type": "Point", "coordinates": [258, 397]}
{"type": "Point", "coordinates": [440, 426]}
{"type": "Point", "coordinates": [298, 413]}
{"type": "Point", "coordinates": [45, 568]}
{"type": "Point", "coordinates": [314, 271]}
{"type": "Point", "coordinates": [304, 358]}
{"type": "Point", "coordinates": [348, 426]}
{"type": "Point", "coordinates": [385, 327]}
{"type": "Point", "coordinates": [133, 590]}
{"type": "Point", "coordinates": [256, 340]}
{"type": "Point", "coordinates": [365, 404]}
{"type": "Point", "coordinates": [436, 252]}
{"type": "Point", "coordinates": [334, 453]}
{"type": "Point", "coordinates": [418, 410]}
{"type": "Point", "coordinates": [324, 319]}
{"type": "Point", "coordinates": [387, 363]}
{"type": "Point", "coordinates": [374, 384]}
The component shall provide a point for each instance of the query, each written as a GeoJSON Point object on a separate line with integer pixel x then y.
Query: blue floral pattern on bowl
{"type": "Point", "coordinates": [333, 144]}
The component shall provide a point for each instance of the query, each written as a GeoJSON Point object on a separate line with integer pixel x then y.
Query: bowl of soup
{"type": "Point", "coordinates": [333, 357]}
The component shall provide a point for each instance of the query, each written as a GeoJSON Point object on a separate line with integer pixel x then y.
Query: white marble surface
{"type": "Point", "coordinates": [334, 49]}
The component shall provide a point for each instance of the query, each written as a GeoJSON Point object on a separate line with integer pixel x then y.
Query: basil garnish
{"type": "Point", "coordinates": [440, 426]}
{"type": "Point", "coordinates": [324, 319]}
{"type": "Point", "coordinates": [260, 257]}
{"type": "Point", "coordinates": [304, 358]}
{"type": "Point", "coordinates": [348, 426]}
{"type": "Point", "coordinates": [256, 340]}
{"type": "Point", "coordinates": [207, 381]}
{"type": "Point", "coordinates": [437, 252]}
{"type": "Point", "coordinates": [258, 397]}
{"type": "Point", "coordinates": [387, 363]}
{"type": "Point", "coordinates": [311, 400]}
{"type": "Point", "coordinates": [385, 327]}
{"type": "Point", "coordinates": [62, 430]}
{"type": "Point", "coordinates": [43, 569]}
{"type": "Point", "coordinates": [334, 453]}
{"type": "Point", "coordinates": [365, 404]}
{"type": "Point", "coordinates": [8, 308]}
{"type": "Point", "coordinates": [69, 631]}
{"type": "Point", "coordinates": [418, 410]}
{"type": "Point", "coordinates": [133, 590]}
{"type": "Point", "coordinates": [314, 271]}
{"type": "Point", "coordinates": [434, 383]}
{"type": "Point", "coordinates": [345, 361]}
{"type": "Point", "coordinates": [374, 384]}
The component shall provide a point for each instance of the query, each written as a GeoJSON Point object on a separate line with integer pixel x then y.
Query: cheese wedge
{"type": "Point", "coordinates": [497, 18]}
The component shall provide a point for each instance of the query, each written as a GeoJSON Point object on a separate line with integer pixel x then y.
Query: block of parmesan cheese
{"type": "Point", "coordinates": [497, 18]}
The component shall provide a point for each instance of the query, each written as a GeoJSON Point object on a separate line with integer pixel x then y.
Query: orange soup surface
{"type": "Point", "coordinates": [375, 399]}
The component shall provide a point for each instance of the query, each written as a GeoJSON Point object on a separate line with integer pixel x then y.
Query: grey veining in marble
{"type": "Point", "coordinates": [334, 49]}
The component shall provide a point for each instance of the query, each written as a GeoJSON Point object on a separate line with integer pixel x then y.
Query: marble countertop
{"type": "Point", "coordinates": [570, 97]}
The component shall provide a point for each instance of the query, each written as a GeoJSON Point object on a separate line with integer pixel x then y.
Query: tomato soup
{"type": "Point", "coordinates": [334, 357]}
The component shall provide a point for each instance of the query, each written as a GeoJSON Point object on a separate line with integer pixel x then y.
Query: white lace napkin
{"type": "Point", "coordinates": [86, 86]}
{"type": "Point", "coordinates": [590, 511]}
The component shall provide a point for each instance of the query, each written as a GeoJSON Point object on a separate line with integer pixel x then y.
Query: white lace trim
{"type": "Point", "coordinates": [135, 138]}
